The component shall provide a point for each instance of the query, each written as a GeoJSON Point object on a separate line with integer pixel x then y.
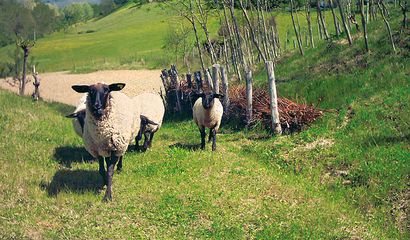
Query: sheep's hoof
{"type": "Point", "coordinates": [107, 198]}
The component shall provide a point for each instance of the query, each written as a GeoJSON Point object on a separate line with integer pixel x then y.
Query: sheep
{"type": "Point", "coordinates": [78, 116]}
{"type": "Point", "coordinates": [112, 121]}
{"type": "Point", "coordinates": [152, 112]}
{"type": "Point", "coordinates": [207, 113]}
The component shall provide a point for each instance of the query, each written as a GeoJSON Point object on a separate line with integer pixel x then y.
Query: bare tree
{"type": "Point", "coordinates": [404, 8]}
{"type": "Point", "coordinates": [364, 25]}
{"type": "Point", "coordinates": [344, 21]}
{"type": "Point", "coordinates": [322, 20]}
{"type": "Point", "coordinates": [296, 29]}
{"type": "Point", "coordinates": [386, 22]}
{"type": "Point", "coordinates": [186, 10]}
{"type": "Point", "coordinates": [337, 30]}
{"type": "Point", "coordinates": [309, 22]}
{"type": "Point", "coordinates": [26, 45]}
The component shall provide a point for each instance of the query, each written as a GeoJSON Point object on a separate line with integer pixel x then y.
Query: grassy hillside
{"type": "Point", "coordinates": [131, 37]}
{"type": "Point", "coordinates": [346, 177]}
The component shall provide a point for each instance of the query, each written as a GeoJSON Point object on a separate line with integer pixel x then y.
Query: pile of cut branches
{"type": "Point", "coordinates": [293, 116]}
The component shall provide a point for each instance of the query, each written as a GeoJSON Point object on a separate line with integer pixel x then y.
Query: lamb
{"type": "Point", "coordinates": [112, 121]}
{"type": "Point", "coordinates": [152, 112]}
{"type": "Point", "coordinates": [78, 116]}
{"type": "Point", "coordinates": [207, 113]}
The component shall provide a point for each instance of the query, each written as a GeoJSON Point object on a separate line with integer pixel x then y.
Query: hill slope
{"type": "Point", "coordinates": [346, 177]}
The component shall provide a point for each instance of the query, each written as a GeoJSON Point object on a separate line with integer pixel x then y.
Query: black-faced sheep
{"type": "Point", "coordinates": [112, 121]}
{"type": "Point", "coordinates": [207, 113]}
{"type": "Point", "coordinates": [152, 113]}
{"type": "Point", "coordinates": [78, 116]}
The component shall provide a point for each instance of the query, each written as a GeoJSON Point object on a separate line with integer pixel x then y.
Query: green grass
{"type": "Point", "coordinates": [51, 189]}
{"type": "Point", "coordinates": [345, 177]}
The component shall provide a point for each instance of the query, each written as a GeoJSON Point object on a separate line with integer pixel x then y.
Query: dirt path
{"type": "Point", "coordinates": [56, 86]}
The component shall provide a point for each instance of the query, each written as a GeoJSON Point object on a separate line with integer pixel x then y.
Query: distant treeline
{"type": "Point", "coordinates": [32, 19]}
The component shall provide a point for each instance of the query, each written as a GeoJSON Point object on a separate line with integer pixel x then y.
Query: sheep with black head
{"type": "Point", "coordinates": [112, 121]}
{"type": "Point", "coordinates": [207, 113]}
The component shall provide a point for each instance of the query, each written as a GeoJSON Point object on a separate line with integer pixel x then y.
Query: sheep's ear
{"type": "Point", "coordinates": [116, 86]}
{"type": "Point", "coordinates": [72, 115]}
{"type": "Point", "coordinates": [81, 88]}
{"type": "Point", "coordinates": [217, 95]}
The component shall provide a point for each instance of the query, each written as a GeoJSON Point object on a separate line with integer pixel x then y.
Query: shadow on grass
{"type": "Point", "coordinates": [69, 154]}
{"type": "Point", "coordinates": [78, 181]}
{"type": "Point", "coordinates": [190, 147]}
{"type": "Point", "coordinates": [384, 140]}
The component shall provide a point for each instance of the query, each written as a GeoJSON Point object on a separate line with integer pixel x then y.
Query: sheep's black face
{"type": "Point", "coordinates": [208, 99]}
{"type": "Point", "coordinates": [98, 94]}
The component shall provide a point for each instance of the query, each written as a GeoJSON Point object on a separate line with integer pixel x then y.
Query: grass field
{"type": "Point", "coordinates": [345, 177]}
{"type": "Point", "coordinates": [130, 38]}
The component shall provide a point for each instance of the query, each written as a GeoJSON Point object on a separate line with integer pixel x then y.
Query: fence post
{"type": "Point", "coordinates": [36, 83]}
{"type": "Point", "coordinates": [208, 79]}
{"type": "Point", "coordinates": [189, 80]}
{"type": "Point", "coordinates": [175, 80]}
{"type": "Point", "coordinates": [215, 77]}
{"type": "Point", "coordinates": [198, 81]}
{"type": "Point", "coordinates": [274, 110]}
{"type": "Point", "coordinates": [248, 77]}
{"type": "Point", "coordinates": [225, 88]}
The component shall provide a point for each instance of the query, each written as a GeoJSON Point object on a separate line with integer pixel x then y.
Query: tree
{"type": "Point", "coordinates": [25, 45]}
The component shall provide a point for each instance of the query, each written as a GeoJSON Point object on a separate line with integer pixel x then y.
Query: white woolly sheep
{"type": "Point", "coordinates": [207, 113]}
{"type": "Point", "coordinates": [152, 113]}
{"type": "Point", "coordinates": [112, 121]}
{"type": "Point", "coordinates": [78, 116]}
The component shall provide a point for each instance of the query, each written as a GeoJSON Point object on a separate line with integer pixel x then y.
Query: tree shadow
{"type": "Point", "coordinates": [78, 181]}
{"type": "Point", "coordinates": [190, 147]}
{"type": "Point", "coordinates": [69, 154]}
{"type": "Point", "coordinates": [384, 140]}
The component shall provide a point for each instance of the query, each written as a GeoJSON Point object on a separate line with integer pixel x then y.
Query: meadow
{"type": "Point", "coordinates": [345, 177]}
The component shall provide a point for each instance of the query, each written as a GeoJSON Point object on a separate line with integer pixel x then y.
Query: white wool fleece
{"type": "Point", "coordinates": [80, 107]}
{"type": "Point", "coordinates": [115, 130]}
{"type": "Point", "coordinates": [152, 107]}
{"type": "Point", "coordinates": [208, 117]}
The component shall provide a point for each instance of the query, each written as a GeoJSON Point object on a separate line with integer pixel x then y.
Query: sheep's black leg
{"type": "Point", "coordinates": [203, 134]}
{"type": "Point", "coordinates": [102, 169]}
{"type": "Point", "coordinates": [150, 139]}
{"type": "Point", "coordinates": [119, 165]}
{"type": "Point", "coordinates": [110, 173]}
{"type": "Point", "coordinates": [137, 139]}
{"type": "Point", "coordinates": [213, 131]}
{"type": "Point", "coordinates": [146, 141]}
{"type": "Point", "coordinates": [210, 135]}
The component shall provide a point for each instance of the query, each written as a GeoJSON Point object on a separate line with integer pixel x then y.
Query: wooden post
{"type": "Point", "coordinates": [189, 79]}
{"type": "Point", "coordinates": [248, 77]}
{"type": "Point", "coordinates": [175, 80]}
{"type": "Point", "coordinates": [276, 127]}
{"type": "Point", "coordinates": [164, 78]}
{"type": "Point", "coordinates": [225, 88]}
{"type": "Point", "coordinates": [198, 81]}
{"type": "Point", "coordinates": [208, 79]}
{"type": "Point", "coordinates": [36, 83]}
{"type": "Point", "coordinates": [215, 77]}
